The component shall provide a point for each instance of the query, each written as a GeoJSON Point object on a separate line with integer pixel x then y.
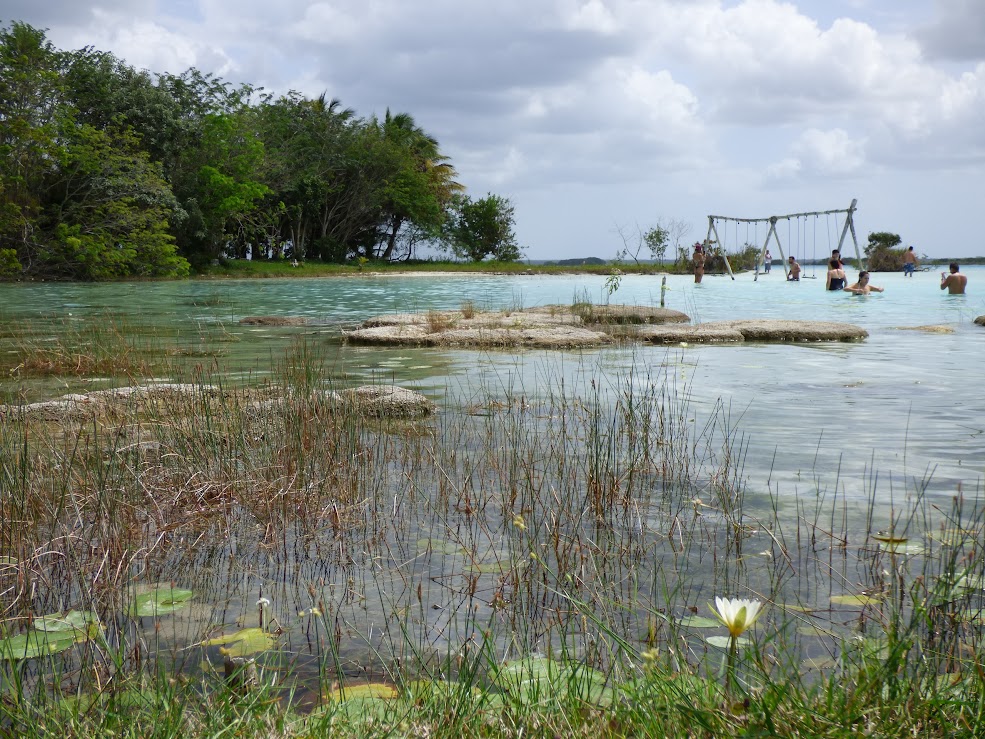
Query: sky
{"type": "Point", "coordinates": [600, 119]}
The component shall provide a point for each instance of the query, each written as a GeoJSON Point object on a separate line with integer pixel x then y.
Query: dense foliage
{"type": "Point", "coordinates": [107, 171]}
{"type": "Point", "coordinates": [883, 252]}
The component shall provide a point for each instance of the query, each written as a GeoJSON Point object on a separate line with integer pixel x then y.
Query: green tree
{"type": "Point", "coordinates": [30, 93]}
{"type": "Point", "coordinates": [881, 253]}
{"type": "Point", "coordinates": [420, 184]}
{"type": "Point", "coordinates": [478, 229]}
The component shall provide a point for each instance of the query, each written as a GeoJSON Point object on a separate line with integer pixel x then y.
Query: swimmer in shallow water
{"type": "Point", "coordinates": [862, 287]}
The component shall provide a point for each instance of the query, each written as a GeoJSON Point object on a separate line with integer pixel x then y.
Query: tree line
{"type": "Point", "coordinates": [107, 171]}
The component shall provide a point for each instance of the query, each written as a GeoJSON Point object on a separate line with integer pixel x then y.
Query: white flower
{"type": "Point", "coordinates": [263, 602]}
{"type": "Point", "coordinates": [738, 614]}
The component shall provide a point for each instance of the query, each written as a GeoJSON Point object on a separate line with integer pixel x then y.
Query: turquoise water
{"type": "Point", "coordinates": [900, 407]}
{"type": "Point", "coordinates": [860, 428]}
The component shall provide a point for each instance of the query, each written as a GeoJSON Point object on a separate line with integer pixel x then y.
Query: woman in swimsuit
{"type": "Point", "coordinates": [836, 276]}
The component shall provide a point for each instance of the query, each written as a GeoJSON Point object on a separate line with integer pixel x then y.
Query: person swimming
{"type": "Point", "coordinates": [862, 287]}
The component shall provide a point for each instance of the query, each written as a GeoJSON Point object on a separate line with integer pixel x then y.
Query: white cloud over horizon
{"type": "Point", "coordinates": [591, 114]}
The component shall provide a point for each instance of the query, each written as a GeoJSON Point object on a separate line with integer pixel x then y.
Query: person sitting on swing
{"type": "Point", "coordinates": [836, 276]}
{"type": "Point", "coordinates": [862, 287]}
{"type": "Point", "coordinates": [794, 270]}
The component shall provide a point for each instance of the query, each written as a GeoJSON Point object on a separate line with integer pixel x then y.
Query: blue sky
{"type": "Point", "coordinates": [599, 118]}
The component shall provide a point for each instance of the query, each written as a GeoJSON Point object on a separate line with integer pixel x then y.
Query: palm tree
{"type": "Point", "coordinates": [438, 175]}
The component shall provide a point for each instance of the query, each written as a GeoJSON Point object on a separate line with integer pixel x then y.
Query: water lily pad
{"type": "Point", "coordinates": [36, 643]}
{"type": "Point", "coordinates": [439, 546]}
{"type": "Point", "coordinates": [723, 642]}
{"type": "Point", "coordinates": [855, 600]}
{"type": "Point", "coordinates": [243, 643]}
{"type": "Point", "coordinates": [367, 690]}
{"type": "Point", "coordinates": [161, 601]}
{"type": "Point", "coordinates": [486, 568]}
{"type": "Point", "coordinates": [903, 547]}
{"type": "Point", "coordinates": [699, 622]}
{"type": "Point", "coordinates": [534, 678]}
{"type": "Point", "coordinates": [797, 607]}
{"type": "Point", "coordinates": [69, 621]}
{"type": "Point", "coordinates": [890, 538]}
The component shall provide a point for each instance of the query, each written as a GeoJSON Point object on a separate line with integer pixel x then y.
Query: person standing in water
{"type": "Point", "coordinates": [909, 262]}
{"type": "Point", "coordinates": [794, 274]}
{"type": "Point", "coordinates": [767, 261]}
{"type": "Point", "coordinates": [699, 262]}
{"type": "Point", "coordinates": [954, 282]}
{"type": "Point", "coordinates": [836, 276]}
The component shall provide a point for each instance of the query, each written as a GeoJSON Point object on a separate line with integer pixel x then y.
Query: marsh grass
{"type": "Point", "coordinates": [539, 568]}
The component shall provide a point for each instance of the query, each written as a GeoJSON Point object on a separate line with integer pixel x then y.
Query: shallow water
{"type": "Point", "coordinates": [879, 420]}
{"type": "Point", "coordinates": [902, 403]}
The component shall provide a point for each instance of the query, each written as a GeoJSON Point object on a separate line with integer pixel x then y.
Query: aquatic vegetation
{"type": "Point", "coordinates": [536, 568]}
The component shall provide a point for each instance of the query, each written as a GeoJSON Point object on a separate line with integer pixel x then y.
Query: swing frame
{"type": "Point", "coordinates": [772, 234]}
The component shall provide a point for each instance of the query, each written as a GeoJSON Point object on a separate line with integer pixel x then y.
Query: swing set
{"type": "Point", "coordinates": [801, 220]}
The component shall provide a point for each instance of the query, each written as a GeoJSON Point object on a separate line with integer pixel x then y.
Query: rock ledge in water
{"type": "Point", "coordinates": [755, 330]}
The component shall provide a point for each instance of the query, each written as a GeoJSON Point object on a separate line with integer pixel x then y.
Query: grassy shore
{"type": "Point", "coordinates": [241, 268]}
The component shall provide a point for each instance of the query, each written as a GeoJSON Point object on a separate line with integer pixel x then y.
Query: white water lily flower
{"type": "Point", "coordinates": [738, 614]}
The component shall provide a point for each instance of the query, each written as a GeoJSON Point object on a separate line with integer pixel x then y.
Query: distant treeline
{"type": "Point", "coordinates": [108, 171]}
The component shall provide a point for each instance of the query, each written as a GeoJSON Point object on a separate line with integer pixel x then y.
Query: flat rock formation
{"type": "Point", "coordinates": [550, 326]}
{"type": "Point", "coordinates": [616, 313]}
{"type": "Point", "coordinates": [388, 401]}
{"type": "Point", "coordinates": [928, 329]}
{"type": "Point", "coordinates": [754, 330]}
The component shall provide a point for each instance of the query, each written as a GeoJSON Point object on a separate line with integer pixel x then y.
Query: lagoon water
{"type": "Point", "coordinates": [902, 408]}
{"type": "Point", "coordinates": [853, 429]}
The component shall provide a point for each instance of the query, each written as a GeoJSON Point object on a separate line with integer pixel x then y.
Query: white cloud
{"type": "Point", "coordinates": [619, 96]}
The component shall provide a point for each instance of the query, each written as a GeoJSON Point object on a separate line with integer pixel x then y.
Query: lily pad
{"type": "Point", "coordinates": [243, 643]}
{"type": "Point", "coordinates": [367, 690]}
{"type": "Point", "coordinates": [886, 538]}
{"type": "Point", "coordinates": [534, 678]}
{"type": "Point", "coordinates": [486, 568]}
{"type": "Point", "coordinates": [439, 546]}
{"type": "Point", "coordinates": [160, 601]}
{"type": "Point", "coordinates": [903, 547]}
{"type": "Point", "coordinates": [723, 642]}
{"type": "Point", "coordinates": [69, 621]}
{"type": "Point", "coordinates": [35, 643]}
{"type": "Point", "coordinates": [699, 622]}
{"type": "Point", "coordinates": [855, 600]}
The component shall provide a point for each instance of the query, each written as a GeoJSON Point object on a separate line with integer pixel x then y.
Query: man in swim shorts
{"type": "Point", "coordinates": [954, 282]}
{"type": "Point", "coordinates": [909, 262]}
{"type": "Point", "coordinates": [793, 275]}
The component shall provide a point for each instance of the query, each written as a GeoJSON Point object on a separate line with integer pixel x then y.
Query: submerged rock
{"type": "Point", "coordinates": [980, 320]}
{"type": "Point", "coordinates": [385, 401]}
{"type": "Point", "coordinates": [274, 321]}
{"type": "Point", "coordinates": [928, 329]}
{"type": "Point", "coordinates": [755, 330]}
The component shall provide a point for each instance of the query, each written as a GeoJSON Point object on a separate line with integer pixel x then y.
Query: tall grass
{"type": "Point", "coordinates": [523, 562]}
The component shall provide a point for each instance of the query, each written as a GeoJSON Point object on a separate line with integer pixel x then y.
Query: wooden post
{"type": "Point", "coordinates": [663, 289]}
